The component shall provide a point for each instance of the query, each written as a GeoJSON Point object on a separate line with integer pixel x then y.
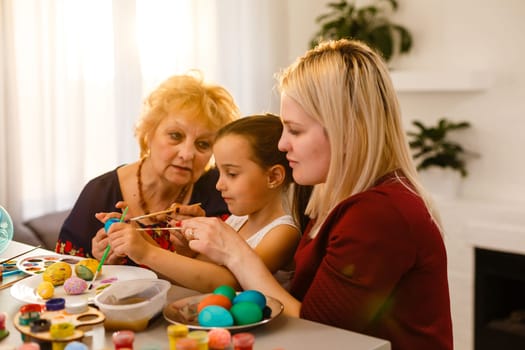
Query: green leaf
{"type": "Point", "coordinates": [405, 38]}
{"type": "Point", "coordinates": [382, 40]}
{"type": "Point", "coordinates": [431, 147]}
{"type": "Point", "coordinates": [367, 23]}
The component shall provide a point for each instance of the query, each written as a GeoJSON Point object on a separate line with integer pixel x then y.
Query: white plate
{"type": "Point", "coordinates": [35, 265]}
{"type": "Point", "coordinates": [25, 290]}
{"type": "Point", "coordinates": [184, 311]}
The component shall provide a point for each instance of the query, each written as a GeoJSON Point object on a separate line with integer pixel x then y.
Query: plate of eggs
{"type": "Point", "coordinates": [224, 308]}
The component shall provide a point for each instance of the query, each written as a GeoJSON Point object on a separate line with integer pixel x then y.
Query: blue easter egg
{"type": "Point", "coordinates": [215, 316]}
{"type": "Point", "coordinates": [251, 295]}
{"type": "Point", "coordinates": [110, 222]}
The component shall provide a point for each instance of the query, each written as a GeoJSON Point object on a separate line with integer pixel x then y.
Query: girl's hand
{"type": "Point", "coordinates": [181, 244]}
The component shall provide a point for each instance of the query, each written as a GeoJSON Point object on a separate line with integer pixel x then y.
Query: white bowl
{"type": "Point", "coordinates": [132, 304]}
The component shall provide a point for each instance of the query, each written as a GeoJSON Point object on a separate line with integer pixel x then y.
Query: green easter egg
{"type": "Point", "coordinates": [246, 312]}
{"type": "Point", "coordinates": [84, 272]}
{"type": "Point", "coordinates": [226, 291]}
{"type": "Point", "coordinates": [86, 268]}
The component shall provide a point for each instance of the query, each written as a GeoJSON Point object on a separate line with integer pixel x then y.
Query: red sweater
{"type": "Point", "coordinates": [378, 266]}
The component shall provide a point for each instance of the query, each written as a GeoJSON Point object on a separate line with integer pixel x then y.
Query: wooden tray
{"type": "Point", "coordinates": [86, 319]}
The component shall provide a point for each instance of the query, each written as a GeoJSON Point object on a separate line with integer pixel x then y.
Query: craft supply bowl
{"type": "Point", "coordinates": [132, 304]}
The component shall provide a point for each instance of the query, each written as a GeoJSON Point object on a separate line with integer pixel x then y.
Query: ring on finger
{"type": "Point", "coordinates": [189, 234]}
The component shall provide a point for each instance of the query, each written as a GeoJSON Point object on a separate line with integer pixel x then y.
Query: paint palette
{"type": "Point", "coordinates": [35, 265]}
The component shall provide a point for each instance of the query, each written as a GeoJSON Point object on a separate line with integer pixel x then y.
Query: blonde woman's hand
{"type": "Point", "coordinates": [215, 239]}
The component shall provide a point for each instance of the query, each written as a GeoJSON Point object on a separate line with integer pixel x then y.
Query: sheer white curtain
{"type": "Point", "coordinates": [74, 74]}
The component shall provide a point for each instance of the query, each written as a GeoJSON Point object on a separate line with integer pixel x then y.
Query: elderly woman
{"type": "Point", "coordinates": [176, 133]}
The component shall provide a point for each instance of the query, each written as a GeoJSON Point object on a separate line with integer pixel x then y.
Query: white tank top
{"type": "Point", "coordinates": [283, 276]}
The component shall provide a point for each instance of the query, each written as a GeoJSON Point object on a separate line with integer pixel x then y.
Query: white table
{"type": "Point", "coordinates": [287, 333]}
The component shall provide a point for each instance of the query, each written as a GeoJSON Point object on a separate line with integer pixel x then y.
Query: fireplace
{"type": "Point", "coordinates": [499, 300]}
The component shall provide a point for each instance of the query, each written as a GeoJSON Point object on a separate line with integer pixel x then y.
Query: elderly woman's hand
{"type": "Point", "coordinates": [125, 240]}
{"type": "Point", "coordinates": [98, 246]}
{"type": "Point", "coordinates": [100, 241]}
{"type": "Point", "coordinates": [182, 212]}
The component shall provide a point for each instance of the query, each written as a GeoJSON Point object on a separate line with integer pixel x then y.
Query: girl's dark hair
{"type": "Point", "coordinates": [263, 133]}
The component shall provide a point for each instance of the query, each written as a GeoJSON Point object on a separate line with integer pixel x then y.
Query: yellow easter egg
{"type": "Point", "coordinates": [57, 273]}
{"type": "Point", "coordinates": [86, 268]}
{"type": "Point", "coordinates": [45, 290]}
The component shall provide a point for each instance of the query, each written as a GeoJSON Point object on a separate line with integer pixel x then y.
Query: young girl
{"type": "Point", "coordinates": [254, 176]}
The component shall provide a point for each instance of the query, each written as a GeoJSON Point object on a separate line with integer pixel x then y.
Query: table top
{"type": "Point", "coordinates": [284, 332]}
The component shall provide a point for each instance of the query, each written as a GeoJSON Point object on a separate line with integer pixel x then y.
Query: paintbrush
{"type": "Point", "coordinates": [160, 229]}
{"type": "Point", "coordinates": [9, 284]}
{"type": "Point", "coordinates": [105, 255]}
{"type": "Point", "coordinates": [16, 256]}
{"type": "Point", "coordinates": [160, 212]}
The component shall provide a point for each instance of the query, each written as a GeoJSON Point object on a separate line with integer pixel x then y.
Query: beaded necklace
{"type": "Point", "coordinates": [142, 202]}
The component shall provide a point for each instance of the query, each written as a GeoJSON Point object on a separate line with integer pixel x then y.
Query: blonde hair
{"type": "Point", "coordinates": [346, 87]}
{"type": "Point", "coordinates": [211, 104]}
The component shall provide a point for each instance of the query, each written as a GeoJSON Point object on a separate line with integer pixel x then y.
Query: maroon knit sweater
{"type": "Point", "coordinates": [378, 266]}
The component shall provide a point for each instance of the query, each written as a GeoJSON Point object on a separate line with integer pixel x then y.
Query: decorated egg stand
{"type": "Point", "coordinates": [55, 323]}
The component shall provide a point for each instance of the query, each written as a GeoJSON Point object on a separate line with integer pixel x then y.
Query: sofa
{"type": "Point", "coordinates": [42, 230]}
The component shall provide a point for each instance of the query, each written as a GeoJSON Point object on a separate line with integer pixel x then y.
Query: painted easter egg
{"type": "Point", "coordinates": [45, 290]}
{"type": "Point", "coordinates": [226, 291]}
{"type": "Point", "coordinates": [57, 273]}
{"type": "Point", "coordinates": [86, 268]}
{"type": "Point", "coordinates": [246, 312]}
{"type": "Point", "coordinates": [75, 285]}
{"type": "Point", "coordinates": [110, 222]}
{"type": "Point", "coordinates": [251, 295]}
{"type": "Point", "coordinates": [215, 299]}
{"type": "Point", "coordinates": [215, 316]}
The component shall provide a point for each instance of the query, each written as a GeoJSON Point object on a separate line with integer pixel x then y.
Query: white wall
{"type": "Point", "coordinates": [461, 35]}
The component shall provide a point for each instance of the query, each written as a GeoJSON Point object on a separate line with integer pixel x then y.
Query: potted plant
{"type": "Point", "coordinates": [368, 23]}
{"type": "Point", "coordinates": [441, 161]}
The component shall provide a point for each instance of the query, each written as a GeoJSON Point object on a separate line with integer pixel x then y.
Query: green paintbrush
{"type": "Point", "coordinates": [106, 252]}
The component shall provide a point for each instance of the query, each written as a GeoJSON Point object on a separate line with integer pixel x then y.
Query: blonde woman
{"type": "Point", "coordinates": [175, 133]}
{"type": "Point", "coordinates": [372, 259]}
